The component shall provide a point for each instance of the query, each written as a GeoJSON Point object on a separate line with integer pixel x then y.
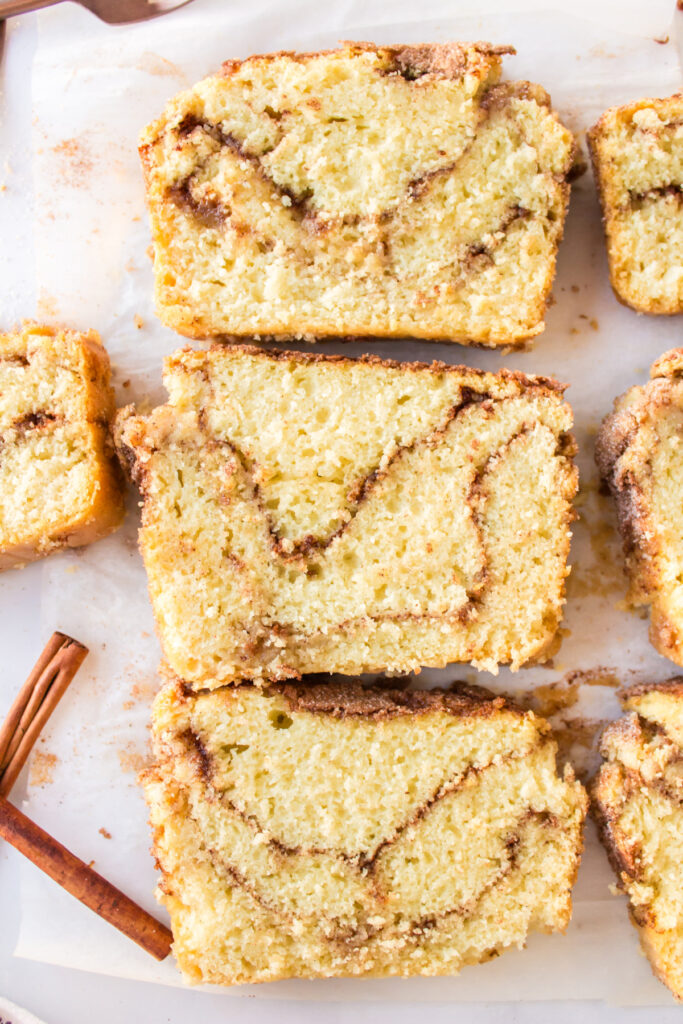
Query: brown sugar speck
{"type": "Point", "coordinates": [42, 767]}
{"type": "Point", "coordinates": [103, 832]}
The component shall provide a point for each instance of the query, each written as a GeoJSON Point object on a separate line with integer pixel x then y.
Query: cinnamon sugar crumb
{"type": "Point", "coordinates": [138, 321]}
{"type": "Point", "coordinates": [103, 832]}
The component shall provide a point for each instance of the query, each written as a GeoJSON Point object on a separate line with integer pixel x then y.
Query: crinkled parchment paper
{"type": "Point", "coordinates": [93, 89]}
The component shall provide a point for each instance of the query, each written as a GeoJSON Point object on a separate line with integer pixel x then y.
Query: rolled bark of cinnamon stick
{"type": "Point", "coordinates": [35, 702]}
{"type": "Point", "coordinates": [83, 882]}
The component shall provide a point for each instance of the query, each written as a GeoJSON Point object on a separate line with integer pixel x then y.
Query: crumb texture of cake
{"type": "Point", "coordinates": [637, 154]}
{"type": "Point", "coordinates": [385, 191]}
{"type": "Point", "coordinates": [308, 513]}
{"type": "Point", "coordinates": [60, 483]}
{"type": "Point", "coordinates": [327, 830]}
{"type": "Point", "coordinates": [637, 798]}
{"type": "Point", "coordinates": [640, 457]}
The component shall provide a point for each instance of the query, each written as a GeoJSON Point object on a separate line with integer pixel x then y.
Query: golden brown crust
{"type": "Point", "coordinates": [672, 686]}
{"type": "Point", "coordinates": [447, 60]}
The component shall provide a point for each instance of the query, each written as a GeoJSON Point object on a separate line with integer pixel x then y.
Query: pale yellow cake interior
{"type": "Point", "coordinates": [59, 483]}
{"type": "Point", "coordinates": [638, 153]}
{"type": "Point", "coordinates": [352, 193]}
{"type": "Point", "coordinates": [639, 792]}
{"type": "Point", "coordinates": [303, 843]}
{"type": "Point", "coordinates": [304, 515]}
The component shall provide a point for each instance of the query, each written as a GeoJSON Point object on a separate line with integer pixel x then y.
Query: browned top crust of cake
{"type": "Point", "coordinates": [673, 686]}
{"type": "Point", "coordinates": [445, 60]}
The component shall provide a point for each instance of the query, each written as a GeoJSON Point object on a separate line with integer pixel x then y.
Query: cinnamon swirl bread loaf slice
{"type": "Point", "coordinates": [640, 457]}
{"type": "Point", "coordinates": [321, 514]}
{"type": "Point", "coordinates": [637, 153]}
{"type": "Point", "coordinates": [319, 830]}
{"type": "Point", "coordinates": [60, 484]}
{"type": "Point", "coordinates": [385, 191]}
{"type": "Point", "coordinates": [638, 801]}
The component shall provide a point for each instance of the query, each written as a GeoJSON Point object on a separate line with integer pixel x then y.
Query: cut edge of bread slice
{"type": "Point", "coordinates": [637, 455]}
{"type": "Point", "coordinates": [650, 196]}
{"type": "Point", "coordinates": [636, 792]}
{"type": "Point", "coordinates": [63, 485]}
{"type": "Point", "coordinates": [296, 460]}
{"type": "Point", "coordinates": [361, 257]}
{"type": "Point", "coordinates": [439, 833]}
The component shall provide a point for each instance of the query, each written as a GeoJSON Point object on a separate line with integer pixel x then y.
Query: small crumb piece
{"type": "Point", "coordinates": [138, 321]}
{"type": "Point", "coordinates": [103, 832]}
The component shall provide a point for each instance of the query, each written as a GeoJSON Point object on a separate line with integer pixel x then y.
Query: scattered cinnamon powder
{"type": "Point", "coordinates": [154, 64]}
{"type": "Point", "coordinates": [42, 767]}
{"type": "Point", "coordinates": [145, 689]}
{"type": "Point", "coordinates": [105, 833]}
{"type": "Point", "coordinates": [75, 161]}
{"type": "Point", "coordinates": [46, 306]}
{"type": "Point", "coordinates": [131, 760]}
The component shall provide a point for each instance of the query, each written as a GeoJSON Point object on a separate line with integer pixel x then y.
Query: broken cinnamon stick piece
{"type": "Point", "coordinates": [83, 882]}
{"type": "Point", "coordinates": [35, 702]}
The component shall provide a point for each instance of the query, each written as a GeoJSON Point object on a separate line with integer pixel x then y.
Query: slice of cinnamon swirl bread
{"type": "Point", "coordinates": [637, 153]}
{"type": "Point", "coordinates": [60, 483]}
{"type": "Point", "coordinates": [385, 191]}
{"type": "Point", "coordinates": [640, 456]}
{"type": "Point", "coordinates": [318, 830]}
{"type": "Point", "coordinates": [638, 801]}
{"type": "Point", "coordinates": [323, 514]}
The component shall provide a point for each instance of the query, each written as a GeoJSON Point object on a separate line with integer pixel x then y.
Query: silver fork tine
{"type": "Point", "coordinates": [114, 12]}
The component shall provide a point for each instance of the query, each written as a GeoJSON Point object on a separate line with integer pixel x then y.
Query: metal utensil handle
{"type": "Point", "coordinates": [8, 8]}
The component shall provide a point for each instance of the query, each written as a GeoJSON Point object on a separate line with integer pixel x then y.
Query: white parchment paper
{"type": "Point", "coordinates": [93, 89]}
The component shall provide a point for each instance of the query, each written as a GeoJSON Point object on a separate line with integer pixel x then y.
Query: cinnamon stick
{"type": "Point", "coordinates": [35, 702]}
{"type": "Point", "coordinates": [83, 882]}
